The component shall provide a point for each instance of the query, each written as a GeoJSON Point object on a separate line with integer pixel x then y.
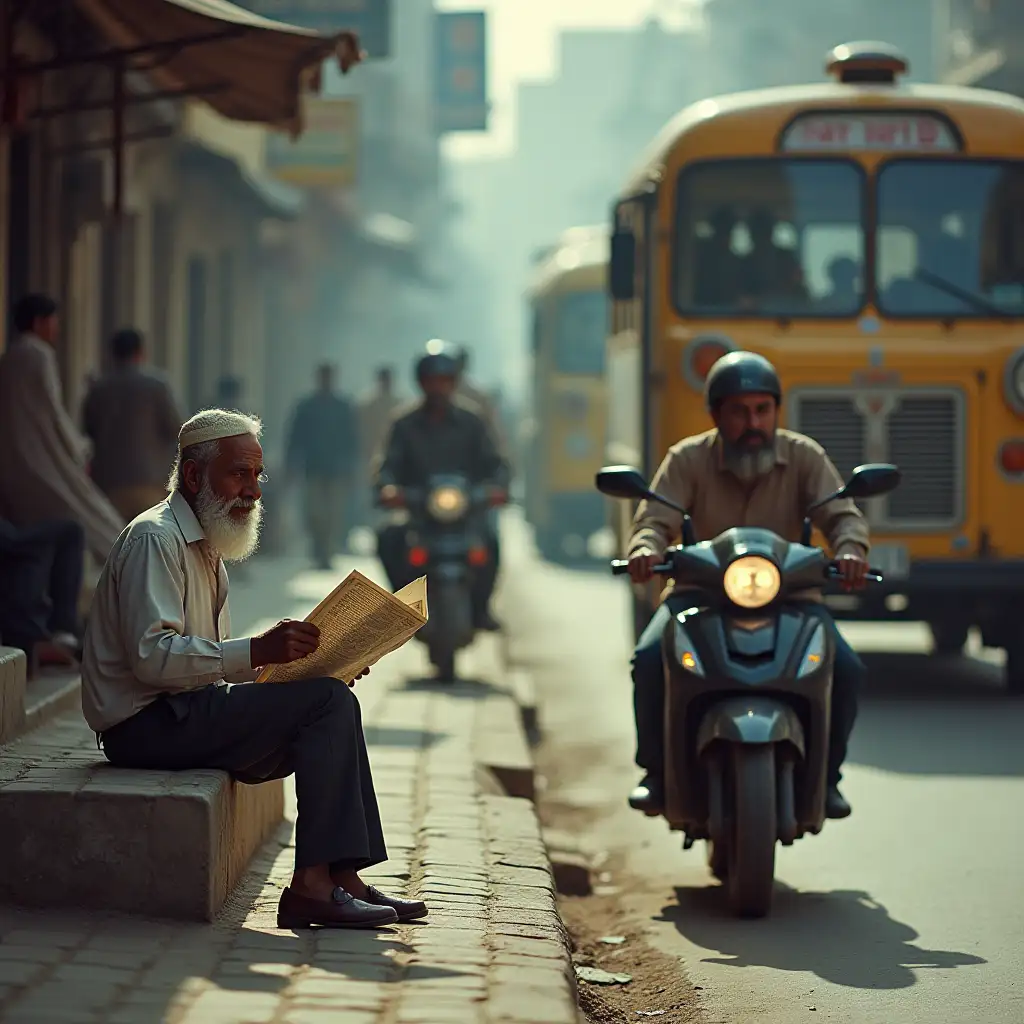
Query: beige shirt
{"type": "Point", "coordinates": [159, 621]}
{"type": "Point", "coordinates": [692, 475]}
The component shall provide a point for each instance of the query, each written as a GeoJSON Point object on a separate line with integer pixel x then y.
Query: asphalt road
{"type": "Point", "coordinates": [909, 911]}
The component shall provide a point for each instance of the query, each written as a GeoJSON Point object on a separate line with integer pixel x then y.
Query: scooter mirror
{"type": "Point", "coordinates": [871, 480]}
{"type": "Point", "coordinates": [621, 482]}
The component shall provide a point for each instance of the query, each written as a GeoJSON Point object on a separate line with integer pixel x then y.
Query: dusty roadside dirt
{"type": "Point", "coordinates": [660, 991]}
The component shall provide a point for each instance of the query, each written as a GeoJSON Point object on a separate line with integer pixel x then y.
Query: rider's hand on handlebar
{"type": "Point", "coordinates": [852, 570]}
{"type": "Point", "coordinates": [496, 497]}
{"type": "Point", "coordinates": [641, 565]}
{"type": "Point", "coordinates": [390, 496]}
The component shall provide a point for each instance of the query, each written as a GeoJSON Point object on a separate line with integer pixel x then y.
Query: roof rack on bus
{"type": "Point", "coordinates": [866, 63]}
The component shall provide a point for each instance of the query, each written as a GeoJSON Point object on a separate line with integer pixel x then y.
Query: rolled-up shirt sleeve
{"type": "Point", "coordinates": [151, 603]}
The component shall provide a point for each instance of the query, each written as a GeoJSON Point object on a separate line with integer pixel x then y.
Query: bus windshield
{"type": "Point", "coordinates": [950, 239]}
{"type": "Point", "coordinates": [582, 322]}
{"type": "Point", "coordinates": [770, 237]}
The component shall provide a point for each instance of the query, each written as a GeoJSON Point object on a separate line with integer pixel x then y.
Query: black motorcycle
{"type": "Point", "coordinates": [748, 689]}
{"type": "Point", "coordinates": [446, 540]}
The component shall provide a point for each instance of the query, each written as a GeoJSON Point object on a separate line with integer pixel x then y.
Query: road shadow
{"type": "Point", "coordinates": [843, 937]}
{"type": "Point", "coordinates": [388, 736]}
{"type": "Point", "coordinates": [923, 715]}
{"type": "Point", "coordinates": [461, 689]}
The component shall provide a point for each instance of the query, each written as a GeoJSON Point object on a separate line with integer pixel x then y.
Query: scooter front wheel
{"type": "Point", "coordinates": [751, 855]}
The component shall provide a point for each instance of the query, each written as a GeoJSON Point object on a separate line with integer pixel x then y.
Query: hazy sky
{"type": "Point", "coordinates": [522, 41]}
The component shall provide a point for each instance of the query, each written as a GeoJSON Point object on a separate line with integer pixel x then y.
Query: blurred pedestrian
{"type": "Point", "coordinates": [42, 572]}
{"type": "Point", "coordinates": [376, 413]}
{"type": "Point", "coordinates": [43, 456]}
{"type": "Point", "coordinates": [323, 447]}
{"type": "Point", "coordinates": [133, 420]}
{"type": "Point", "coordinates": [476, 398]}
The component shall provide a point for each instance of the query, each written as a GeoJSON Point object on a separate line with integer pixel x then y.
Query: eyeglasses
{"type": "Point", "coordinates": [241, 474]}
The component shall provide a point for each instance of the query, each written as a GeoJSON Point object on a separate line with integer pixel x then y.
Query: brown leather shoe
{"type": "Point", "coordinates": [407, 910]}
{"type": "Point", "coordinates": [342, 910]}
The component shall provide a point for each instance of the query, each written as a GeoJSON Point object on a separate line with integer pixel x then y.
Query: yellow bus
{"type": "Point", "coordinates": [867, 236]}
{"type": "Point", "coordinates": [568, 303]}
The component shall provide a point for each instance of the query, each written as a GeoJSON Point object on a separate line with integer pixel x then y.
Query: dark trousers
{"type": "Point", "coordinates": [393, 554]}
{"type": "Point", "coordinates": [41, 569]}
{"type": "Point", "coordinates": [649, 691]}
{"type": "Point", "coordinates": [264, 731]}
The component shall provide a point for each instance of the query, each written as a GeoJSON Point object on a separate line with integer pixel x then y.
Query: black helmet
{"type": "Point", "coordinates": [440, 360]}
{"type": "Point", "coordinates": [741, 373]}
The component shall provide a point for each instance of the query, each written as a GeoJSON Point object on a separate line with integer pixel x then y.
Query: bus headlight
{"type": "Point", "coordinates": [752, 581]}
{"type": "Point", "coordinates": [1013, 382]}
{"type": "Point", "coordinates": [447, 504]}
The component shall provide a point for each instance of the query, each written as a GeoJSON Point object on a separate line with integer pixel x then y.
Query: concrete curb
{"type": "Point", "coordinates": [527, 925]}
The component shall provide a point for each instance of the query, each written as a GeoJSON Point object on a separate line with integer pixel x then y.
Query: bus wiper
{"type": "Point", "coordinates": [979, 302]}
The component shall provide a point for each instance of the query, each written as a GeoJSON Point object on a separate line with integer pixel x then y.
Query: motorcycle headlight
{"type": "Point", "coordinates": [752, 581]}
{"type": "Point", "coordinates": [447, 503]}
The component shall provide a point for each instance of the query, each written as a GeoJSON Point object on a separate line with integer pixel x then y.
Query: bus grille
{"type": "Point", "coordinates": [921, 431]}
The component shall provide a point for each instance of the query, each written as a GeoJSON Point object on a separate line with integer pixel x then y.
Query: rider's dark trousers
{"type": "Point", "coordinates": [649, 690]}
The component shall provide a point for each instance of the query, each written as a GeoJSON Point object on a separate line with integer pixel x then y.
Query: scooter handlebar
{"type": "Point", "coordinates": [620, 567]}
{"type": "Point", "coordinates": [873, 575]}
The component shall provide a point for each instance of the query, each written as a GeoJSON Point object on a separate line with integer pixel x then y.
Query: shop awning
{"type": "Point", "coordinates": [248, 68]}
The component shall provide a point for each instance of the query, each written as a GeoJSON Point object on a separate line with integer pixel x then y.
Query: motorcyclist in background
{"type": "Point", "coordinates": [440, 435]}
{"type": "Point", "coordinates": [745, 472]}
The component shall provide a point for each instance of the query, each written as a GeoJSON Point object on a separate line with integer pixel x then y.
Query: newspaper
{"type": "Point", "coordinates": [359, 624]}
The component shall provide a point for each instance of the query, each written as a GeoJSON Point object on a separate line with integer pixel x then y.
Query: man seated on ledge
{"type": "Point", "coordinates": [164, 687]}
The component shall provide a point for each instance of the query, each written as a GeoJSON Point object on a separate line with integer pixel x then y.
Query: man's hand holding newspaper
{"type": "Point", "coordinates": [358, 623]}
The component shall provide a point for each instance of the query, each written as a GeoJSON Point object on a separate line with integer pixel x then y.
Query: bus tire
{"type": "Point", "coordinates": [1014, 670]}
{"type": "Point", "coordinates": [948, 636]}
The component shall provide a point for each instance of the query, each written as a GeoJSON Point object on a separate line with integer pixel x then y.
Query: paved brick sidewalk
{"type": "Point", "coordinates": [492, 952]}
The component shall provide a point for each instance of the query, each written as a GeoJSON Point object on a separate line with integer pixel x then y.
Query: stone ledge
{"type": "Point", "coordinates": [524, 918]}
{"type": "Point", "coordinates": [13, 673]}
{"type": "Point", "coordinates": [48, 696]}
{"type": "Point", "coordinates": [82, 834]}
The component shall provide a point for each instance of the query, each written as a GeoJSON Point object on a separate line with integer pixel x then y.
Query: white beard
{"type": "Point", "coordinates": [233, 540]}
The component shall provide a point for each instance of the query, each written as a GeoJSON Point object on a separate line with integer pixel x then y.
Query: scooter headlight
{"type": "Point", "coordinates": [752, 581]}
{"type": "Point", "coordinates": [447, 504]}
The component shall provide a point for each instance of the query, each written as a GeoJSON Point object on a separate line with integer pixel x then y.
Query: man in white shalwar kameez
{"type": "Point", "coordinates": [43, 456]}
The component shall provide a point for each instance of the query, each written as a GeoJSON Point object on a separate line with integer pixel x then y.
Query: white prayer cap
{"type": "Point", "coordinates": [214, 424]}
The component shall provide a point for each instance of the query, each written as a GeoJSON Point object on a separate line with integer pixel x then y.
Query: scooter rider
{"type": "Point", "coordinates": [745, 472]}
{"type": "Point", "coordinates": [439, 435]}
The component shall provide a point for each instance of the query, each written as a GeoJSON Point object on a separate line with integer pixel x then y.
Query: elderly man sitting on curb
{"type": "Point", "coordinates": [160, 677]}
